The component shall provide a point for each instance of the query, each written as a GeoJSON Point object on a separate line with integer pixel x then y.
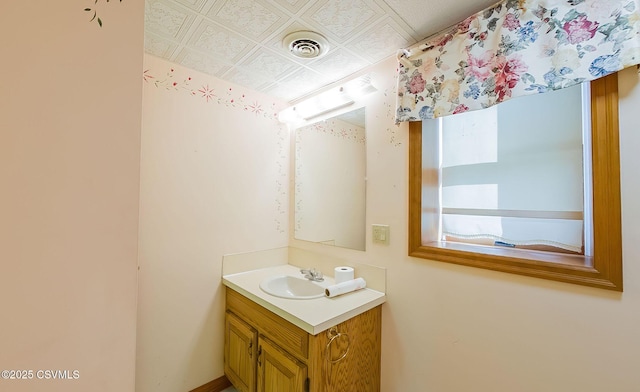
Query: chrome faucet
{"type": "Point", "coordinates": [312, 274]}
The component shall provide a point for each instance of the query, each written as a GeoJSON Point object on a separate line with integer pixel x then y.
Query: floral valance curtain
{"type": "Point", "coordinates": [515, 48]}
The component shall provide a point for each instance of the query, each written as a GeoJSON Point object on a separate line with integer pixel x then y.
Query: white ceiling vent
{"type": "Point", "coordinates": [306, 44]}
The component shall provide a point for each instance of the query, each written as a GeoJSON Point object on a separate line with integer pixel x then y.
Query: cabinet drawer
{"type": "Point", "coordinates": [286, 335]}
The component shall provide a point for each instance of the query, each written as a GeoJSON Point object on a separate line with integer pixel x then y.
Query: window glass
{"type": "Point", "coordinates": [512, 174]}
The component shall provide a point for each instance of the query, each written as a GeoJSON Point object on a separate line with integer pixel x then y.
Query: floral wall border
{"type": "Point", "coordinates": [330, 127]}
{"type": "Point", "coordinates": [227, 97]}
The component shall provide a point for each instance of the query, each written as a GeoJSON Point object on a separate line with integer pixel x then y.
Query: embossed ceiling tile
{"type": "Point", "coordinates": [255, 18]}
{"type": "Point", "coordinates": [214, 36]}
{"type": "Point", "coordinates": [158, 46]}
{"type": "Point", "coordinates": [340, 18]}
{"type": "Point", "coordinates": [293, 6]}
{"type": "Point", "coordinates": [167, 19]}
{"type": "Point", "coordinates": [201, 62]}
{"type": "Point", "coordinates": [338, 64]}
{"type": "Point", "coordinates": [268, 65]}
{"type": "Point", "coordinates": [219, 41]}
{"type": "Point", "coordinates": [195, 5]}
{"type": "Point", "coordinates": [286, 93]}
{"type": "Point", "coordinates": [407, 11]}
{"type": "Point", "coordinates": [250, 80]}
{"type": "Point", "coordinates": [401, 24]}
{"type": "Point", "coordinates": [440, 15]}
{"type": "Point", "coordinates": [380, 41]}
{"type": "Point", "coordinates": [298, 84]}
{"type": "Point", "coordinates": [306, 78]}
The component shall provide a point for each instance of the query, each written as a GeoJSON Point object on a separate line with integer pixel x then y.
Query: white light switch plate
{"type": "Point", "coordinates": [380, 234]}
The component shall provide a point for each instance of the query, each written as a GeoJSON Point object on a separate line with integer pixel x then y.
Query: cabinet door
{"type": "Point", "coordinates": [240, 343]}
{"type": "Point", "coordinates": [279, 371]}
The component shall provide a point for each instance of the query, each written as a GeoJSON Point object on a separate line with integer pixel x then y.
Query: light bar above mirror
{"type": "Point", "coordinates": [328, 101]}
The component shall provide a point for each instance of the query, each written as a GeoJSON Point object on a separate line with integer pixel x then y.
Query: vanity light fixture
{"type": "Point", "coordinates": [328, 101]}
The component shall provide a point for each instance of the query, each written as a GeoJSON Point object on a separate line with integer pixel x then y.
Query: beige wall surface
{"type": "Point", "coordinates": [214, 181]}
{"type": "Point", "coordinates": [445, 328]}
{"type": "Point", "coordinates": [449, 328]}
{"type": "Point", "coordinates": [70, 112]}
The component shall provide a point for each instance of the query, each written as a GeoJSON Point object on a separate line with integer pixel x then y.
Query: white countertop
{"type": "Point", "coordinates": [312, 315]}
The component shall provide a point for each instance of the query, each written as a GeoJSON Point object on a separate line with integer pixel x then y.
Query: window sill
{"type": "Point", "coordinates": [547, 265]}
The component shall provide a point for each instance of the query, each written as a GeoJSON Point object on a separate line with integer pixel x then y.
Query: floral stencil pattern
{"type": "Point", "coordinates": [338, 129]}
{"type": "Point", "coordinates": [227, 97]}
{"type": "Point", "coordinates": [515, 48]}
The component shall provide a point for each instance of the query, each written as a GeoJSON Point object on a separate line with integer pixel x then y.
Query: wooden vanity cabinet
{"type": "Point", "coordinates": [240, 353]}
{"type": "Point", "coordinates": [263, 352]}
{"type": "Point", "coordinates": [278, 371]}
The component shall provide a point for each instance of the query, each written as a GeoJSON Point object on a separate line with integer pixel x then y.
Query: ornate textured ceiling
{"type": "Point", "coordinates": [241, 40]}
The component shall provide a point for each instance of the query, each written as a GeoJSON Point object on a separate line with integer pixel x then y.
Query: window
{"type": "Point", "coordinates": [511, 174]}
{"type": "Point", "coordinates": [599, 266]}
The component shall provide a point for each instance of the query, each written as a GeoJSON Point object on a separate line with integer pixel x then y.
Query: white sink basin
{"type": "Point", "coordinates": [291, 287]}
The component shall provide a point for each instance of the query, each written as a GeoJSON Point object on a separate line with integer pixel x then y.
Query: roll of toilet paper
{"type": "Point", "coordinates": [343, 274]}
{"type": "Point", "coordinates": [345, 287]}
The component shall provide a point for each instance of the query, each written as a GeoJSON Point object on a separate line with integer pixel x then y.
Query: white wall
{"type": "Point", "coordinates": [449, 328]}
{"type": "Point", "coordinates": [214, 181]}
{"type": "Point", "coordinates": [70, 109]}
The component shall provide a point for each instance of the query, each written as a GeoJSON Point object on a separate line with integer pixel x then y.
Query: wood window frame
{"type": "Point", "coordinates": [603, 269]}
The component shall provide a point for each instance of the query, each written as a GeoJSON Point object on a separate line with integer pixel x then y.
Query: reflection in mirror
{"type": "Point", "coordinates": [330, 170]}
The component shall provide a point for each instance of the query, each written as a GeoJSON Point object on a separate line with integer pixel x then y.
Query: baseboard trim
{"type": "Point", "coordinates": [217, 385]}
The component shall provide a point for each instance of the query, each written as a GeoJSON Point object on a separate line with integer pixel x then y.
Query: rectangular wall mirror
{"type": "Point", "coordinates": [330, 181]}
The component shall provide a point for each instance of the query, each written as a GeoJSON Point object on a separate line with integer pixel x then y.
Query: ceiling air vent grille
{"type": "Point", "coordinates": [306, 44]}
